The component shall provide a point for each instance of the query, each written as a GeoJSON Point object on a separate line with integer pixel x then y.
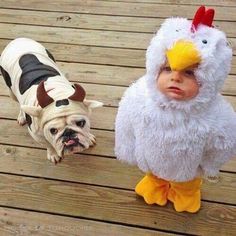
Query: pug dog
{"type": "Point", "coordinates": [56, 111]}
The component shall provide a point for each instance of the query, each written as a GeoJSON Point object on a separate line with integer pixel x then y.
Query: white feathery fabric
{"type": "Point", "coordinates": [179, 140]}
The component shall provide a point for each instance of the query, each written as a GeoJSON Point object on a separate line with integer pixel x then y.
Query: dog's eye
{"type": "Point", "coordinates": [53, 131]}
{"type": "Point", "coordinates": [81, 123]}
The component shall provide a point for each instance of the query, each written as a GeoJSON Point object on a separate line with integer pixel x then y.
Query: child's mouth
{"type": "Point", "coordinates": [175, 89]}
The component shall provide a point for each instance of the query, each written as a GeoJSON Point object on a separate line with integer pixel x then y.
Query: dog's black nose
{"type": "Point", "coordinates": [68, 132]}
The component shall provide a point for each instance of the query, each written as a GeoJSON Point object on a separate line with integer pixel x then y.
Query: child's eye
{"type": "Point", "coordinates": [166, 68]}
{"type": "Point", "coordinates": [189, 72]}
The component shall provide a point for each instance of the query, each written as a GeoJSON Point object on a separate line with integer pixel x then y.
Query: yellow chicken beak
{"type": "Point", "coordinates": [182, 55]}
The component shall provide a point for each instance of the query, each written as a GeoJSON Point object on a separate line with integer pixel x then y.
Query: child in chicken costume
{"type": "Point", "coordinates": [172, 122]}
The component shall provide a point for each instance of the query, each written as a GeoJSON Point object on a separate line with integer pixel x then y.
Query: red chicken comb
{"type": "Point", "coordinates": [202, 16]}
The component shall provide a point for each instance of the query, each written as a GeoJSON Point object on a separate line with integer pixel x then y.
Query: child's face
{"type": "Point", "coordinates": [179, 85]}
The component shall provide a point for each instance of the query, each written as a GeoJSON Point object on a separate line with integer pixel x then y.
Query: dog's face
{"type": "Point", "coordinates": [63, 123]}
{"type": "Point", "coordinates": [68, 134]}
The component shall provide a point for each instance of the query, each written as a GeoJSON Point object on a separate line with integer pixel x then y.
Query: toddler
{"type": "Point", "coordinates": [173, 123]}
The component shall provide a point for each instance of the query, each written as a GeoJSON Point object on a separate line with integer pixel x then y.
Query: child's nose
{"type": "Point", "coordinates": [176, 77]}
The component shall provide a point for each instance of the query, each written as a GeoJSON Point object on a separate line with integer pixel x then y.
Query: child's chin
{"type": "Point", "coordinates": [177, 97]}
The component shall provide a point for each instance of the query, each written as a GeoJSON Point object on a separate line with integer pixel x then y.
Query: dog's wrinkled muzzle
{"type": "Point", "coordinates": [70, 139]}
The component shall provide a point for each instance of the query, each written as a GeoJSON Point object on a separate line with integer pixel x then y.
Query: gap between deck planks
{"type": "Point", "coordinates": [20, 222]}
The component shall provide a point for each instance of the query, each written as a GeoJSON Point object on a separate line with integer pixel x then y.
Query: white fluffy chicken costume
{"type": "Point", "coordinates": [177, 142]}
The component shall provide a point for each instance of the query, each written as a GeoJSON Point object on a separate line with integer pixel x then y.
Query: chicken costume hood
{"type": "Point", "coordinates": [185, 43]}
{"type": "Point", "coordinates": [177, 141]}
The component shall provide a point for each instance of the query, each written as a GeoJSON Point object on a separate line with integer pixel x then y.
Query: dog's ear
{"type": "Point", "coordinates": [31, 110]}
{"type": "Point", "coordinates": [92, 103]}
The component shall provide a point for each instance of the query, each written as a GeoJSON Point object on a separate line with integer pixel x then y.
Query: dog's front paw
{"type": "Point", "coordinates": [21, 119]}
{"type": "Point", "coordinates": [53, 157]}
{"type": "Point", "coordinates": [92, 140]}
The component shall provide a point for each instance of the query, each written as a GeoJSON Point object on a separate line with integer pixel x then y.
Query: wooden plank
{"type": "Point", "coordinates": [230, 85]}
{"type": "Point", "coordinates": [116, 8]}
{"type": "Point", "coordinates": [184, 2]}
{"type": "Point", "coordinates": [88, 169]}
{"type": "Point", "coordinates": [102, 74]}
{"type": "Point", "coordinates": [112, 205]}
{"type": "Point", "coordinates": [17, 135]}
{"type": "Point", "coordinates": [20, 222]}
{"type": "Point", "coordinates": [99, 55]}
{"type": "Point", "coordinates": [130, 40]}
{"type": "Point", "coordinates": [93, 55]}
{"type": "Point", "coordinates": [231, 100]}
{"type": "Point", "coordinates": [109, 95]}
{"type": "Point", "coordinates": [230, 166]}
{"type": "Point", "coordinates": [81, 168]}
{"type": "Point", "coordinates": [99, 22]}
{"type": "Point", "coordinates": [78, 36]}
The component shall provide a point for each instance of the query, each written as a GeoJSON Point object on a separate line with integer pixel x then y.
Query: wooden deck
{"type": "Point", "coordinates": [100, 44]}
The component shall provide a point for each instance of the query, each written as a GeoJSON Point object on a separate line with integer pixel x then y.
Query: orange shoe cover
{"type": "Point", "coordinates": [186, 196]}
{"type": "Point", "coordinates": [153, 190]}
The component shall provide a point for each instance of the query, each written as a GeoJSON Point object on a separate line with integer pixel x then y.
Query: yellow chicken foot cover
{"type": "Point", "coordinates": [186, 196]}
